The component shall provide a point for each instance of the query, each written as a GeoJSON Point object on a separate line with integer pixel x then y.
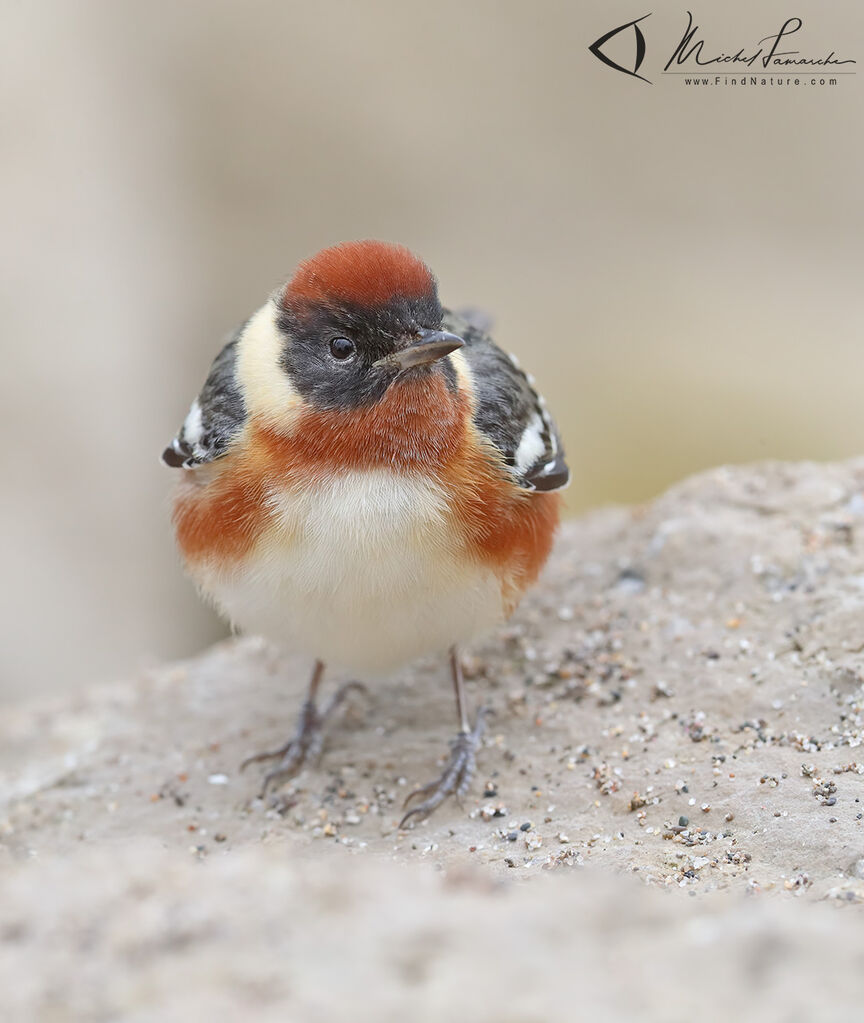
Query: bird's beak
{"type": "Point", "coordinates": [429, 347]}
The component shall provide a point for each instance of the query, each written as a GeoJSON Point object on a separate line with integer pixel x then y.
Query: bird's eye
{"type": "Point", "coordinates": [341, 348]}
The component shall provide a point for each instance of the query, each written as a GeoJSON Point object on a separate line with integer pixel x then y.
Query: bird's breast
{"type": "Point", "coordinates": [368, 538]}
{"type": "Point", "coordinates": [361, 568]}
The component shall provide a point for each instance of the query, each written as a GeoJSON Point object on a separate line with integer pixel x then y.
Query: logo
{"type": "Point", "coordinates": [774, 59]}
{"type": "Point", "coordinates": [597, 48]}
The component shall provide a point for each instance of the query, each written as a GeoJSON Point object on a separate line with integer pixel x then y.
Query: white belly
{"type": "Point", "coordinates": [362, 571]}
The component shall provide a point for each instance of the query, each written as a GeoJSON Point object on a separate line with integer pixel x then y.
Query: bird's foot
{"type": "Point", "coordinates": [456, 776]}
{"type": "Point", "coordinates": [307, 743]}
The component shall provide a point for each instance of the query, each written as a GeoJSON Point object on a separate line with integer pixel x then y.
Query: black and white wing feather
{"type": "Point", "coordinates": [510, 412]}
{"type": "Point", "coordinates": [217, 415]}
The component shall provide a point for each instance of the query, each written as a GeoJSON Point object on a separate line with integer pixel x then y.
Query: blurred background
{"type": "Point", "coordinates": [680, 267]}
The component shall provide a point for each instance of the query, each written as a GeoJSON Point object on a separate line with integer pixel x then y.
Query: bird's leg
{"type": "Point", "coordinates": [457, 775]}
{"type": "Point", "coordinates": [306, 744]}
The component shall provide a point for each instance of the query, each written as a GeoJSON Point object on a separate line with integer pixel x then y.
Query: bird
{"type": "Point", "coordinates": [366, 478]}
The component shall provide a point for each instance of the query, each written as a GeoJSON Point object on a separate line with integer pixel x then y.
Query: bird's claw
{"type": "Point", "coordinates": [456, 776]}
{"type": "Point", "coordinates": [307, 743]}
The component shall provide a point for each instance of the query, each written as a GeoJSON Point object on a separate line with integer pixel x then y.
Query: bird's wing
{"type": "Point", "coordinates": [217, 415]}
{"type": "Point", "coordinates": [510, 413]}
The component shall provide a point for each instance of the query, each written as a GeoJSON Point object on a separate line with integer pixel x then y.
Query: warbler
{"type": "Point", "coordinates": [366, 478]}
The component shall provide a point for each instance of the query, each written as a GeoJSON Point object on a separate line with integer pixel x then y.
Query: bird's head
{"type": "Point", "coordinates": [355, 319]}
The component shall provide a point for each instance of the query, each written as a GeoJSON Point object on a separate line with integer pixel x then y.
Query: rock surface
{"type": "Point", "coordinates": [678, 711]}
